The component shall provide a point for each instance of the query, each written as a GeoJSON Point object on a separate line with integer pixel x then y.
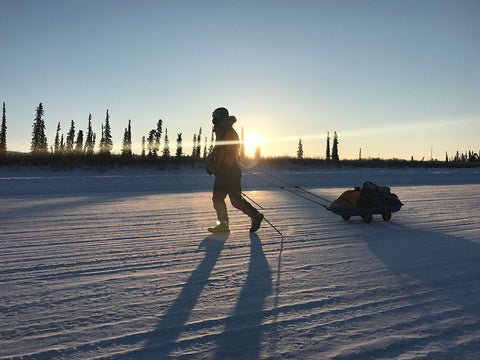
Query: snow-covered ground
{"type": "Point", "coordinates": [118, 265]}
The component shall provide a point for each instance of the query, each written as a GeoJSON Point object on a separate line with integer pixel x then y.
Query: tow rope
{"type": "Point", "coordinates": [289, 186]}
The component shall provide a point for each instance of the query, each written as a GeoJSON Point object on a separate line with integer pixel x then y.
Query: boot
{"type": "Point", "coordinates": [256, 221]}
{"type": "Point", "coordinates": [221, 228]}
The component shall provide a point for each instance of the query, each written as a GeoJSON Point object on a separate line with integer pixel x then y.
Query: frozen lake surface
{"type": "Point", "coordinates": [118, 265]}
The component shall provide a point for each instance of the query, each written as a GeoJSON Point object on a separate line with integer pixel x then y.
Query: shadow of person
{"type": "Point", "coordinates": [446, 264]}
{"type": "Point", "coordinates": [161, 341]}
{"type": "Point", "coordinates": [241, 338]}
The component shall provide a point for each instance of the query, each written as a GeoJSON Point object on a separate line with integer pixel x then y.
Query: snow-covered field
{"type": "Point", "coordinates": [118, 265]}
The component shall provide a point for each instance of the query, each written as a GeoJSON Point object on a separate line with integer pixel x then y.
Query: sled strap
{"type": "Point", "coordinates": [275, 180]}
{"type": "Point", "coordinates": [296, 186]}
{"type": "Point", "coordinates": [301, 195]}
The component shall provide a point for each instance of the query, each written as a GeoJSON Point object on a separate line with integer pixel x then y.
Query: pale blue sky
{"type": "Point", "coordinates": [394, 78]}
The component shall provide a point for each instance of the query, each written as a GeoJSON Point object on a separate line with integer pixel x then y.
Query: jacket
{"type": "Point", "coordinates": [226, 152]}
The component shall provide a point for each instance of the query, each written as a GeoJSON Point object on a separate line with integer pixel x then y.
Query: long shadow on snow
{"type": "Point", "coordinates": [242, 336]}
{"type": "Point", "coordinates": [161, 341]}
{"type": "Point", "coordinates": [446, 264]}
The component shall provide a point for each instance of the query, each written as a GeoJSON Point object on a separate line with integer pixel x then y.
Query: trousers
{"type": "Point", "coordinates": [228, 182]}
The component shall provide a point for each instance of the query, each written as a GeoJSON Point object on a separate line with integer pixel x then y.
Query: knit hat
{"type": "Point", "coordinates": [220, 114]}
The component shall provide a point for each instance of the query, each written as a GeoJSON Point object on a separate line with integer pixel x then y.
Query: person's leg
{"type": "Point", "coordinates": [243, 205]}
{"type": "Point", "coordinates": [222, 215]}
{"type": "Point", "coordinates": [219, 204]}
{"type": "Point", "coordinates": [235, 193]}
{"type": "Point", "coordinates": [229, 182]}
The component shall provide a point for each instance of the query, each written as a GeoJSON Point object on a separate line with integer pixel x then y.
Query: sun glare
{"type": "Point", "coordinates": [252, 141]}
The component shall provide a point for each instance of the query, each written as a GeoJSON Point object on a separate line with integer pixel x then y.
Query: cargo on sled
{"type": "Point", "coordinates": [366, 201]}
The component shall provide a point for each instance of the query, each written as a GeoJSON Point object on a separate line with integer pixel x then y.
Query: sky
{"type": "Point", "coordinates": [395, 79]}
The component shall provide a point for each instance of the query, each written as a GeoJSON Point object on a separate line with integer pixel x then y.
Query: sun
{"type": "Point", "coordinates": [252, 141]}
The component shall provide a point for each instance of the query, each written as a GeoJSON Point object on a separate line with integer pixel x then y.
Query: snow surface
{"type": "Point", "coordinates": [118, 265]}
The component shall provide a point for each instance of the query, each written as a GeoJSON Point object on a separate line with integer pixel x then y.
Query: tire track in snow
{"type": "Point", "coordinates": [103, 285]}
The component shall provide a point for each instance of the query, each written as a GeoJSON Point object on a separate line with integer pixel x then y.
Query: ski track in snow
{"type": "Point", "coordinates": [135, 276]}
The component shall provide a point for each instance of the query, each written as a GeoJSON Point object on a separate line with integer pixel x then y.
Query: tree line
{"type": "Point", "coordinates": [81, 145]}
{"type": "Point", "coordinates": [84, 144]}
{"type": "Point", "coordinates": [331, 154]}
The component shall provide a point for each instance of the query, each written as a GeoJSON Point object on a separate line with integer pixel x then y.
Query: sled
{"type": "Point", "coordinates": [365, 213]}
{"type": "Point", "coordinates": [365, 201]}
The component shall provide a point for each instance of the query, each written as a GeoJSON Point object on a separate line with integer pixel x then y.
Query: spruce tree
{"type": "Point", "coordinates": [179, 151]}
{"type": "Point", "coordinates": [56, 144]}
{"type": "Point", "coordinates": [36, 125]}
{"type": "Point", "coordinates": [39, 140]}
{"type": "Point", "coordinates": [300, 149]}
{"type": "Point", "coordinates": [127, 140]}
{"type": "Point", "coordinates": [102, 141]}
{"type": "Point", "coordinates": [143, 146]}
{"type": "Point", "coordinates": [90, 139]}
{"type": "Point", "coordinates": [70, 140]}
{"type": "Point", "coordinates": [152, 150]}
{"type": "Point", "coordinates": [199, 144]}
{"type": "Point", "coordinates": [3, 132]}
{"type": "Point", "coordinates": [79, 142]}
{"type": "Point", "coordinates": [328, 147]}
{"type": "Point", "coordinates": [158, 135]}
{"type": "Point", "coordinates": [335, 148]}
{"type": "Point", "coordinates": [125, 143]}
{"type": "Point", "coordinates": [106, 144]}
{"type": "Point", "coordinates": [166, 146]}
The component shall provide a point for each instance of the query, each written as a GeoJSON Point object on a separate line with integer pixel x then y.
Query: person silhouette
{"type": "Point", "coordinates": [224, 164]}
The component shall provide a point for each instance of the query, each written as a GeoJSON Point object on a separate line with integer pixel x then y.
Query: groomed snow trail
{"type": "Point", "coordinates": [136, 276]}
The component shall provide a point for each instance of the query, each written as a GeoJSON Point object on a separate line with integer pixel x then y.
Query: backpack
{"type": "Point", "coordinates": [373, 195]}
